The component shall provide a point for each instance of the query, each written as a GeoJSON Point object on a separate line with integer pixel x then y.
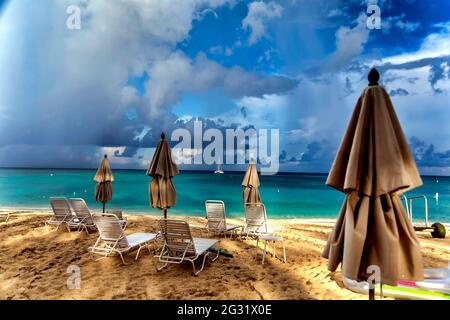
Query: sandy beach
{"type": "Point", "coordinates": [34, 262]}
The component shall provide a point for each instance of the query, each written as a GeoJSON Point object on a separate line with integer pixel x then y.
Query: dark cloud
{"type": "Point", "coordinates": [312, 150]}
{"type": "Point", "coordinates": [129, 152]}
{"type": "Point", "coordinates": [348, 85]}
{"type": "Point", "coordinates": [283, 155]}
{"type": "Point", "coordinates": [244, 112]}
{"type": "Point", "coordinates": [437, 69]}
{"type": "Point", "coordinates": [426, 155]}
{"type": "Point", "coordinates": [398, 92]}
{"type": "Point", "coordinates": [437, 72]}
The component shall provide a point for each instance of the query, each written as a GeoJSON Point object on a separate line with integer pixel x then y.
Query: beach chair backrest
{"type": "Point", "coordinates": [61, 209]}
{"type": "Point", "coordinates": [177, 237]}
{"type": "Point", "coordinates": [110, 229]}
{"type": "Point", "coordinates": [255, 218]}
{"type": "Point", "coordinates": [81, 209]}
{"type": "Point", "coordinates": [215, 214]}
{"type": "Point", "coordinates": [117, 213]}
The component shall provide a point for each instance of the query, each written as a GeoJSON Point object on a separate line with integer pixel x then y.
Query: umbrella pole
{"type": "Point", "coordinates": [165, 213]}
{"type": "Point", "coordinates": [103, 207]}
{"type": "Point", "coordinates": [371, 293]}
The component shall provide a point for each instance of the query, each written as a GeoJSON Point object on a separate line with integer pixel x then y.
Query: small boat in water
{"type": "Point", "coordinates": [218, 171]}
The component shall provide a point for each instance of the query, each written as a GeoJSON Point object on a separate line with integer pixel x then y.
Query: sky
{"type": "Point", "coordinates": [137, 68]}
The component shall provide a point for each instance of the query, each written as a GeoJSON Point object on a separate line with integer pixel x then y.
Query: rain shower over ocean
{"type": "Point", "coordinates": [285, 195]}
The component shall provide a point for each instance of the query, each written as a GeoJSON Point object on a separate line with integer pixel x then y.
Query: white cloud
{"type": "Point", "coordinates": [434, 45]}
{"type": "Point", "coordinates": [398, 22]}
{"type": "Point", "coordinates": [335, 13]}
{"type": "Point", "coordinates": [77, 80]}
{"type": "Point", "coordinates": [259, 13]}
{"type": "Point", "coordinates": [349, 44]}
{"type": "Point", "coordinates": [176, 74]}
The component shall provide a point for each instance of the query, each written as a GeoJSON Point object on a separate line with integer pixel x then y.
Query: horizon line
{"type": "Point", "coordinates": [193, 170]}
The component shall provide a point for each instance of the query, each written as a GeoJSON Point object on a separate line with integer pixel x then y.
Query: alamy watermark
{"type": "Point", "coordinates": [374, 12]}
{"type": "Point", "coordinates": [375, 276]}
{"type": "Point", "coordinates": [74, 280]}
{"type": "Point", "coordinates": [73, 21]}
{"type": "Point", "coordinates": [236, 146]}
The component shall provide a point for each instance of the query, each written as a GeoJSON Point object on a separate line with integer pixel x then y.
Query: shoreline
{"type": "Point", "coordinates": [47, 211]}
{"type": "Point", "coordinates": [276, 220]}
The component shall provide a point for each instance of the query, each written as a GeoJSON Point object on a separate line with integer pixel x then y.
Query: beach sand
{"type": "Point", "coordinates": [34, 262]}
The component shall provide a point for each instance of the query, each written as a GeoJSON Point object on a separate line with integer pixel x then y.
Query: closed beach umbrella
{"type": "Point", "coordinates": [161, 189]}
{"type": "Point", "coordinates": [373, 167]}
{"type": "Point", "coordinates": [104, 179]}
{"type": "Point", "coordinates": [251, 185]}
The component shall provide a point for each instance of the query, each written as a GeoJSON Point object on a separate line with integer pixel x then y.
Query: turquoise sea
{"type": "Point", "coordinates": [285, 195]}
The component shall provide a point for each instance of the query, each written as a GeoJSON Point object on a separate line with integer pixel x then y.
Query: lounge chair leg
{"type": "Point", "coordinates": [193, 267]}
{"type": "Point", "coordinates": [139, 250]}
{"type": "Point", "coordinates": [203, 264]}
{"type": "Point", "coordinates": [217, 255]}
{"type": "Point", "coordinates": [137, 254]}
{"type": "Point", "coordinates": [121, 257]}
{"type": "Point", "coordinates": [148, 247]}
{"type": "Point", "coordinates": [264, 254]}
{"type": "Point", "coordinates": [160, 268]}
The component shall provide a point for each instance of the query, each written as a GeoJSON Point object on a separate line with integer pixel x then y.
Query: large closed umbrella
{"type": "Point", "coordinates": [104, 179]}
{"type": "Point", "coordinates": [251, 185]}
{"type": "Point", "coordinates": [162, 169]}
{"type": "Point", "coordinates": [373, 167]}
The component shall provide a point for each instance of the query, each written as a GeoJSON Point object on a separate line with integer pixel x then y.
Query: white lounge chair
{"type": "Point", "coordinates": [179, 245]}
{"type": "Point", "coordinates": [83, 218]}
{"type": "Point", "coordinates": [256, 221]}
{"type": "Point", "coordinates": [256, 227]}
{"type": "Point", "coordinates": [216, 219]}
{"type": "Point", "coordinates": [118, 214]}
{"type": "Point", "coordinates": [62, 214]}
{"type": "Point", "coordinates": [112, 238]}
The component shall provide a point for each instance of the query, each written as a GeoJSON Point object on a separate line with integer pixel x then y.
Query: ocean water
{"type": "Point", "coordinates": [285, 195]}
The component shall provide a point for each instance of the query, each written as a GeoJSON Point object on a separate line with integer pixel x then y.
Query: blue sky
{"type": "Point", "coordinates": [139, 67]}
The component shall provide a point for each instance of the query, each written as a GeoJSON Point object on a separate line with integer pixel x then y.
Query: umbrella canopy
{"type": "Point", "coordinates": [162, 192]}
{"type": "Point", "coordinates": [251, 185]}
{"type": "Point", "coordinates": [103, 177]}
{"type": "Point", "coordinates": [373, 166]}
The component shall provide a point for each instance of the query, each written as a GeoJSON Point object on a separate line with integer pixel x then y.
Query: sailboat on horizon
{"type": "Point", "coordinates": [218, 171]}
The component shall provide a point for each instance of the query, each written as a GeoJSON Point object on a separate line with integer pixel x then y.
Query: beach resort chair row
{"type": "Point", "coordinates": [255, 225]}
{"type": "Point", "coordinates": [178, 243]}
{"type": "Point", "coordinates": [73, 214]}
{"type": "Point", "coordinates": [178, 246]}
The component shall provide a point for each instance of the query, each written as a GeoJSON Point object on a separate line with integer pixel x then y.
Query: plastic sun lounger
{"type": "Point", "coordinates": [83, 218]}
{"type": "Point", "coordinates": [436, 286]}
{"type": "Point", "coordinates": [256, 221]}
{"type": "Point", "coordinates": [62, 214]}
{"type": "Point", "coordinates": [112, 238]}
{"type": "Point", "coordinates": [179, 245]}
{"type": "Point", "coordinates": [216, 219]}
